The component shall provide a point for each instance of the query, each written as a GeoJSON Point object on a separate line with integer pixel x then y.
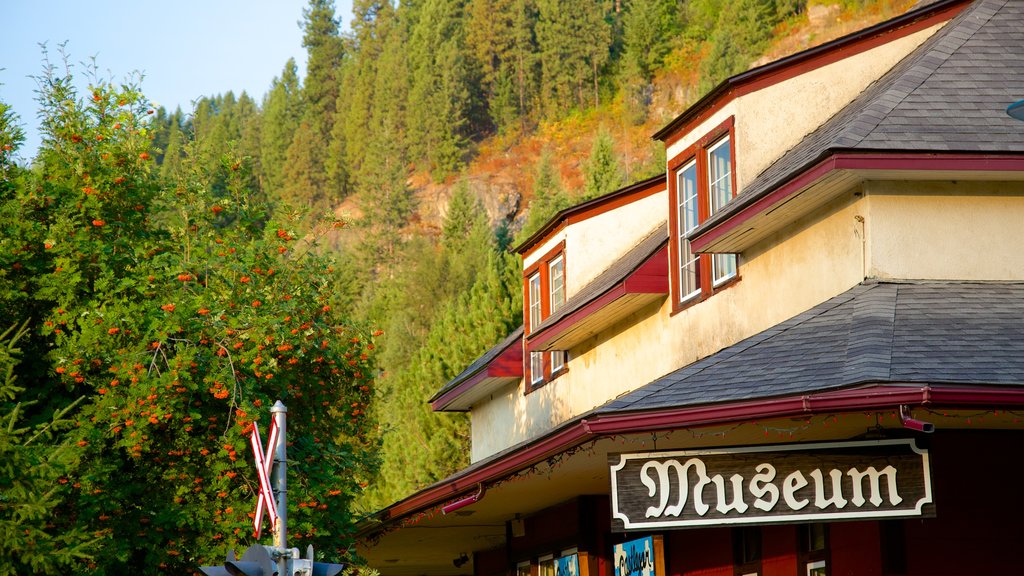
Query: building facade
{"type": "Point", "coordinates": [798, 351]}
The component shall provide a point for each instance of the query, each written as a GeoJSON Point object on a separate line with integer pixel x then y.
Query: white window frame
{"type": "Point", "coordinates": [813, 567]}
{"type": "Point", "coordinates": [553, 288]}
{"type": "Point", "coordinates": [547, 562]}
{"type": "Point", "coordinates": [536, 367]}
{"type": "Point", "coordinates": [558, 360]}
{"type": "Point", "coordinates": [688, 217]}
{"type": "Point", "coordinates": [723, 266]}
{"type": "Point", "coordinates": [535, 304]}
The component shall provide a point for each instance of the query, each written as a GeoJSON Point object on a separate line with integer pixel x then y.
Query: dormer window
{"type": "Point", "coordinates": [702, 182]}
{"type": "Point", "coordinates": [545, 294]}
{"type": "Point", "coordinates": [556, 282]}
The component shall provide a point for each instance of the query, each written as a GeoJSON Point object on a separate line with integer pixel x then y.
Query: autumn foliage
{"type": "Point", "coordinates": [180, 317]}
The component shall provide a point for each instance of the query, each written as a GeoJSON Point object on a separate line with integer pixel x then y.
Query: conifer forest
{"type": "Point", "coordinates": [343, 242]}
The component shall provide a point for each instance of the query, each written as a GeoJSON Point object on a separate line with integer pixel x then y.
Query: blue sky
{"type": "Point", "coordinates": [184, 48]}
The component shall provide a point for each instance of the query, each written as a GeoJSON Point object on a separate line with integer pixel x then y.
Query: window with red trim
{"type": "Point", "coordinates": [544, 292]}
{"type": "Point", "coordinates": [702, 180]}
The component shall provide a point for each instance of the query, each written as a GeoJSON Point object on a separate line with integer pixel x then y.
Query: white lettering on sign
{"type": "Point", "coordinates": [858, 479]}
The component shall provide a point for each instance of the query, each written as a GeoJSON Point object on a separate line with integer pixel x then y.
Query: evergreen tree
{"type": "Point", "coordinates": [573, 39]}
{"type": "Point", "coordinates": [602, 173]}
{"type": "Point", "coordinates": [441, 86]}
{"type": "Point", "coordinates": [36, 462]}
{"type": "Point", "coordinates": [321, 90]}
{"type": "Point", "coordinates": [648, 30]}
{"type": "Point", "coordinates": [741, 34]}
{"type": "Point", "coordinates": [305, 182]}
{"type": "Point", "coordinates": [381, 176]}
{"type": "Point", "coordinates": [549, 197]}
{"type": "Point", "coordinates": [173, 152]}
{"type": "Point", "coordinates": [282, 109]}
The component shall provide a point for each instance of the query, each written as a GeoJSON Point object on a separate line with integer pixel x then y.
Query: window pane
{"type": "Point", "coordinates": [534, 301]}
{"type": "Point", "coordinates": [556, 281]}
{"type": "Point", "coordinates": [547, 566]}
{"type": "Point", "coordinates": [723, 267]}
{"type": "Point", "coordinates": [688, 218]}
{"type": "Point", "coordinates": [719, 175]}
{"type": "Point", "coordinates": [536, 367]}
{"type": "Point", "coordinates": [557, 360]}
{"type": "Point", "coordinates": [686, 190]}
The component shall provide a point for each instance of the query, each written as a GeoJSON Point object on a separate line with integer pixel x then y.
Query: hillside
{"type": "Point", "coordinates": [501, 174]}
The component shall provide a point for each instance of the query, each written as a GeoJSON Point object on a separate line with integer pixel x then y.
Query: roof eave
{"type": "Point", "coordinates": [557, 219]}
{"type": "Point", "coordinates": [708, 236]}
{"type": "Point", "coordinates": [596, 424]}
{"type": "Point", "coordinates": [761, 72]}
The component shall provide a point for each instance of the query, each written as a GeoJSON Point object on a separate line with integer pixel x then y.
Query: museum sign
{"type": "Point", "coordinates": [782, 483]}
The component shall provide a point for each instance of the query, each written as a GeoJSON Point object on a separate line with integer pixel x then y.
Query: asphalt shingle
{"type": "Point", "coordinates": [875, 333]}
{"type": "Point", "coordinates": [948, 95]}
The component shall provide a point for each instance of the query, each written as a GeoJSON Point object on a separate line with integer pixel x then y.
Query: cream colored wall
{"type": "Point", "coordinates": [787, 275]}
{"type": "Point", "coordinates": [592, 245]}
{"type": "Point", "coordinates": [946, 230]}
{"type": "Point", "coordinates": [767, 121]}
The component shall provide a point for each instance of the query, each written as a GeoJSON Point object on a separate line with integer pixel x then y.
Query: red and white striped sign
{"type": "Point", "coordinates": [263, 467]}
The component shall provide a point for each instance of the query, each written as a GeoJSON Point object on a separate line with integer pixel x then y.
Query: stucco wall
{"type": "Point", "coordinates": [592, 245]}
{"type": "Point", "coordinates": [946, 230]}
{"type": "Point", "coordinates": [816, 259]}
{"type": "Point", "coordinates": [767, 121]}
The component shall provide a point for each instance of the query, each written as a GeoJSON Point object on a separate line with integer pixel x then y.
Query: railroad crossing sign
{"type": "Point", "coordinates": [264, 464]}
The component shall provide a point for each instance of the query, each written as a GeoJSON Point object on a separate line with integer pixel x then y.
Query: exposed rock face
{"type": "Point", "coordinates": [822, 14]}
{"type": "Point", "coordinates": [501, 201]}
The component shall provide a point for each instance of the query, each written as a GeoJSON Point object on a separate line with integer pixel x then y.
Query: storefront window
{"type": "Point", "coordinates": [546, 565]}
{"type": "Point", "coordinates": [814, 549]}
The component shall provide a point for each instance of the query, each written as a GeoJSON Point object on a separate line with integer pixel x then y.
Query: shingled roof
{"type": "Point", "coordinates": [875, 333]}
{"type": "Point", "coordinates": [614, 274]}
{"type": "Point", "coordinates": [481, 363]}
{"type": "Point", "coordinates": [947, 96]}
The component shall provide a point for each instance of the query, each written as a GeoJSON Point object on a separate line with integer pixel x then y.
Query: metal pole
{"type": "Point", "coordinates": [279, 479]}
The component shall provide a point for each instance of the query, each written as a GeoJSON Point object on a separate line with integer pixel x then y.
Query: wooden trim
{"type": "Point", "coordinates": [507, 364]}
{"type": "Point", "coordinates": [648, 278]}
{"type": "Point", "coordinates": [697, 152]}
{"type": "Point", "coordinates": [542, 261]}
{"type": "Point", "coordinates": [557, 226]}
{"type": "Point", "coordinates": [542, 268]}
{"type": "Point", "coordinates": [922, 161]}
{"type": "Point", "coordinates": [611, 203]}
{"type": "Point", "coordinates": [806, 61]}
{"type": "Point", "coordinates": [591, 208]}
{"type": "Point", "coordinates": [581, 430]}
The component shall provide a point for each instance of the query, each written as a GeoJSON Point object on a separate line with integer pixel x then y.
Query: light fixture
{"type": "Point", "coordinates": [1016, 110]}
{"type": "Point", "coordinates": [461, 560]}
{"type": "Point", "coordinates": [913, 423]}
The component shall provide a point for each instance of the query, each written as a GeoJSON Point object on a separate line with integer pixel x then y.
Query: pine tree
{"type": "Point", "coordinates": [321, 90]}
{"type": "Point", "coordinates": [382, 173]}
{"type": "Point", "coordinates": [282, 109]}
{"type": "Point", "coordinates": [304, 179]}
{"type": "Point", "coordinates": [602, 173]}
{"type": "Point", "coordinates": [440, 93]}
{"type": "Point", "coordinates": [573, 39]}
{"type": "Point", "coordinates": [549, 197]}
{"type": "Point", "coordinates": [648, 30]}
